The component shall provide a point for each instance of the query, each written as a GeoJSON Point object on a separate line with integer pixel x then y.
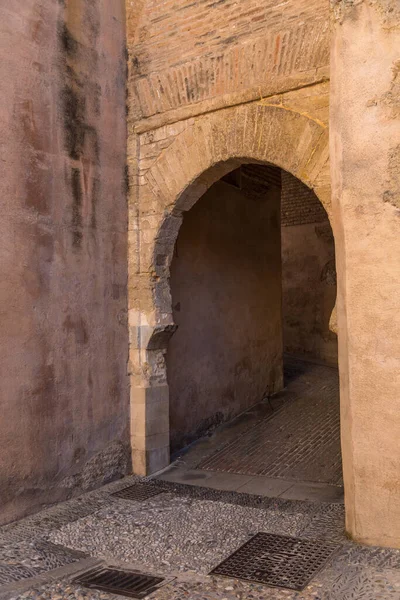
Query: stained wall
{"type": "Point", "coordinates": [63, 332]}
{"type": "Point", "coordinates": [226, 354]}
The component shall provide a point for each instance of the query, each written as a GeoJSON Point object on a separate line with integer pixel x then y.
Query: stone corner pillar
{"type": "Point", "coordinates": [149, 394]}
{"type": "Point", "coordinates": [149, 428]}
{"type": "Point", "coordinates": [365, 169]}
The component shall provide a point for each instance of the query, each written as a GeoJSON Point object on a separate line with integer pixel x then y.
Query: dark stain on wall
{"type": "Point", "coordinates": [80, 104]}
{"type": "Point", "coordinates": [76, 207]}
{"type": "Point", "coordinates": [43, 394]}
{"type": "Point", "coordinates": [96, 193]}
{"type": "Point", "coordinates": [68, 43]}
{"type": "Point", "coordinates": [214, 4]}
{"type": "Point", "coordinates": [38, 186]}
{"type": "Point", "coordinates": [72, 100]}
{"type": "Point", "coordinates": [80, 137]}
{"type": "Point", "coordinates": [127, 180]}
{"type": "Point", "coordinates": [96, 99]}
{"type": "Point", "coordinates": [189, 91]}
{"type": "Point", "coordinates": [73, 106]}
{"type": "Point", "coordinates": [136, 66]}
{"type": "Point", "coordinates": [78, 327]}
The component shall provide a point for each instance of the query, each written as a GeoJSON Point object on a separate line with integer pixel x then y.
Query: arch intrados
{"type": "Point", "coordinates": [197, 188]}
{"type": "Point", "coordinates": [169, 229]}
{"type": "Point", "coordinates": [204, 151]}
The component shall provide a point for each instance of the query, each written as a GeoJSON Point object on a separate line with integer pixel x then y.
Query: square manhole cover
{"type": "Point", "coordinates": [130, 584]}
{"type": "Point", "coordinates": [277, 560]}
{"type": "Point", "coordinates": [138, 492]}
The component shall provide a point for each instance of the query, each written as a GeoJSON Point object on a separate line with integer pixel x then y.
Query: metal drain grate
{"type": "Point", "coordinates": [123, 583]}
{"type": "Point", "coordinates": [138, 492]}
{"type": "Point", "coordinates": [277, 560]}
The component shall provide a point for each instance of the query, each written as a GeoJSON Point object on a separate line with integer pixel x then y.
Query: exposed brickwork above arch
{"type": "Point", "coordinates": [250, 133]}
{"type": "Point", "coordinates": [186, 53]}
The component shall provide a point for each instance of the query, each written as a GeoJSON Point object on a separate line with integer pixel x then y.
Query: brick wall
{"type": "Point", "coordinates": [186, 52]}
{"type": "Point", "coordinates": [299, 203]}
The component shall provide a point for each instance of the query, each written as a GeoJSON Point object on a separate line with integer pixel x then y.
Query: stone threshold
{"type": "Point", "coordinates": [256, 485]}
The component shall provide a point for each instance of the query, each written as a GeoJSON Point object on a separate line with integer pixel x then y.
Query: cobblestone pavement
{"type": "Point", "coordinates": [181, 534]}
{"type": "Point", "coordinates": [185, 531]}
{"type": "Point", "coordinates": [287, 446]}
{"type": "Point", "coordinates": [300, 441]}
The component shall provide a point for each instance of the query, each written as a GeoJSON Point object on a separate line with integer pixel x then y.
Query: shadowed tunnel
{"type": "Point", "coordinates": [252, 280]}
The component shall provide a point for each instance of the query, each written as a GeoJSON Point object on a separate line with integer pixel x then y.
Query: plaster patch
{"type": "Point", "coordinates": [388, 10]}
{"type": "Point", "coordinates": [391, 99]}
{"type": "Point", "coordinates": [392, 194]}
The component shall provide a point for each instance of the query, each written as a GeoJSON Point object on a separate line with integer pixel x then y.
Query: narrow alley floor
{"type": "Point", "coordinates": [180, 533]}
{"type": "Point", "coordinates": [287, 446]}
{"type": "Point", "coordinates": [274, 471]}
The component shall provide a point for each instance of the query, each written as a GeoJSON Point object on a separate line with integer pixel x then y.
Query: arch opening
{"type": "Point", "coordinates": [252, 286]}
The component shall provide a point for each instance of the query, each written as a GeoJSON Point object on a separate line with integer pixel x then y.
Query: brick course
{"type": "Point", "coordinates": [300, 205]}
{"type": "Point", "coordinates": [188, 52]}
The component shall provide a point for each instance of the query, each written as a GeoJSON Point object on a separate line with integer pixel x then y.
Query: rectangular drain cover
{"type": "Point", "coordinates": [138, 492]}
{"type": "Point", "coordinates": [123, 583]}
{"type": "Point", "coordinates": [277, 560]}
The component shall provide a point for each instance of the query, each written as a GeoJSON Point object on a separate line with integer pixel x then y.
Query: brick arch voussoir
{"type": "Point", "coordinates": [257, 132]}
{"type": "Point", "coordinates": [218, 143]}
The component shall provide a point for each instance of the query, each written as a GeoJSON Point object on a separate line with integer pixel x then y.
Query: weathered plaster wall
{"type": "Point", "coordinates": [63, 340]}
{"type": "Point", "coordinates": [226, 354]}
{"type": "Point", "coordinates": [365, 143]}
{"type": "Point", "coordinates": [308, 274]}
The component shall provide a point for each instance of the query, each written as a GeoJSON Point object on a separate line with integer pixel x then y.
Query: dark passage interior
{"type": "Point", "coordinates": [253, 285]}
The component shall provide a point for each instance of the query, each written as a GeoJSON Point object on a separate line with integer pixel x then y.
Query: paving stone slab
{"type": "Point", "coordinates": [327, 523]}
{"type": "Point", "coordinates": [374, 557]}
{"type": "Point", "coordinates": [238, 499]}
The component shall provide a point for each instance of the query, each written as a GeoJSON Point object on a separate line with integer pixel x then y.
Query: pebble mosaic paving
{"type": "Point", "coordinates": [183, 533]}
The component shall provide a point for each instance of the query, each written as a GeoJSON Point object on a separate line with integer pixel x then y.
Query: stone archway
{"type": "Point", "coordinates": [207, 149]}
